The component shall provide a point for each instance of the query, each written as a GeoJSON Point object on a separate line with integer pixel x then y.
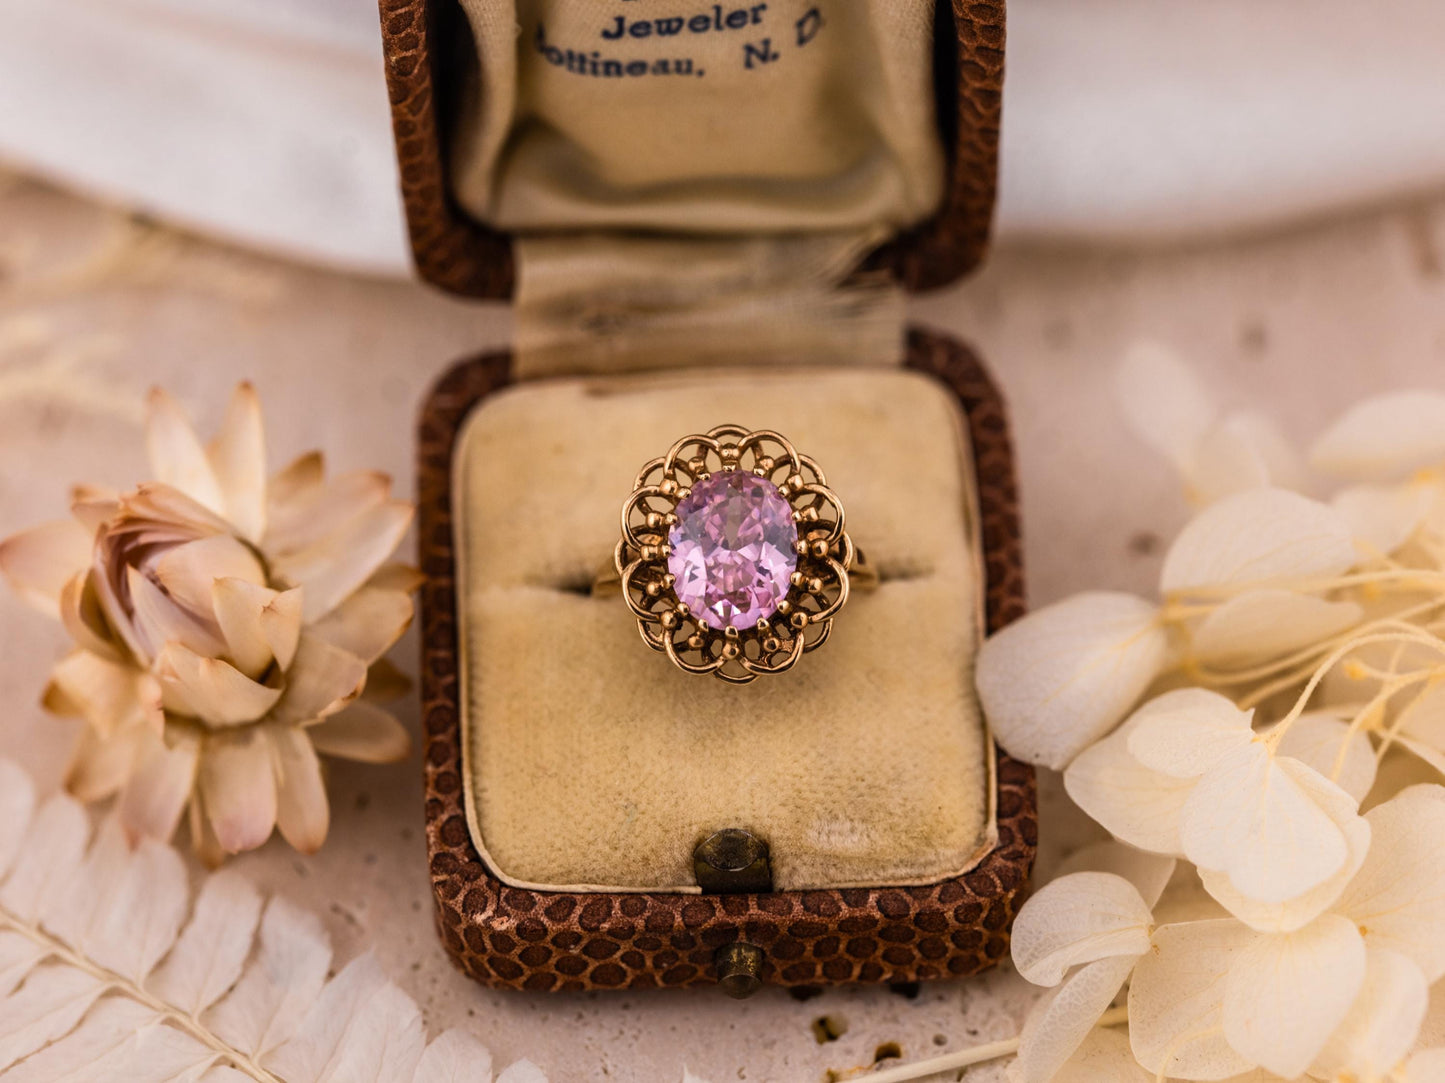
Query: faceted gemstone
{"type": "Point", "coordinates": [732, 550]}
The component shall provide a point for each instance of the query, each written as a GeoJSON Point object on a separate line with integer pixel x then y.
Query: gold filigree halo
{"type": "Point", "coordinates": [818, 587]}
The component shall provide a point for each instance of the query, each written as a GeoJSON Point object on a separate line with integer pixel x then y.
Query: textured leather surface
{"type": "Point", "coordinates": [516, 938]}
{"type": "Point", "coordinates": [458, 254]}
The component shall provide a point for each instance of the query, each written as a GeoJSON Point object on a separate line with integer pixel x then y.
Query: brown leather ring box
{"type": "Point", "coordinates": [566, 939]}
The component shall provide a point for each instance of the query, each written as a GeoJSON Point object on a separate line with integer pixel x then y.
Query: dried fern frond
{"type": "Point", "coordinates": [110, 970]}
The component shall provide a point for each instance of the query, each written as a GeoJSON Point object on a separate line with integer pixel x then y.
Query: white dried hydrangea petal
{"type": "Point", "coordinates": [1063, 1018]}
{"type": "Point", "coordinates": [1267, 623]}
{"type": "Point", "coordinates": [1078, 919]}
{"type": "Point", "coordinates": [1165, 403]}
{"type": "Point", "coordinates": [1063, 676]}
{"type": "Point", "coordinates": [1176, 1001]}
{"type": "Point", "coordinates": [1104, 1056]}
{"type": "Point", "coordinates": [1294, 913]}
{"type": "Point", "coordinates": [1243, 451]}
{"type": "Point", "coordinates": [1398, 896]}
{"type": "Point", "coordinates": [1136, 805]}
{"type": "Point", "coordinates": [1325, 743]}
{"type": "Point", "coordinates": [1259, 819]}
{"type": "Point", "coordinates": [1149, 873]}
{"type": "Point", "coordinates": [1286, 993]}
{"type": "Point", "coordinates": [1382, 1024]}
{"type": "Point", "coordinates": [1384, 517]}
{"type": "Point", "coordinates": [1186, 732]}
{"type": "Point", "coordinates": [1385, 437]}
{"type": "Point", "coordinates": [1422, 727]}
{"type": "Point", "coordinates": [1256, 536]}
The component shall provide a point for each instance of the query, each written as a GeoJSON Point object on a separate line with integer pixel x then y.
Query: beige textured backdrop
{"type": "Point", "coordinates": [93, 310]}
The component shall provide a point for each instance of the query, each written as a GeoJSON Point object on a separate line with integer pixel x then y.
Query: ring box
{"type": "Point", "coordinates": [579, 788]}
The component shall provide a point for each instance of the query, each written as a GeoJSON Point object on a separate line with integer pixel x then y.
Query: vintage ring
{"type": "Point", "coordinates": [733, 555]}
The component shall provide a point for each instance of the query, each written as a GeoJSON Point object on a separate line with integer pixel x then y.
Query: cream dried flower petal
{"type": "Point", "coordinates": [302, 814]}
{"type": "Point", "coordinates": [84, 619]}
{"type": "Point", "coordinates": [1061, 1020]}
{"type": "Point", "coordinates": [238, 463]}
{"type": "Point", "coordinates": [322, 679]}
{"type": "Point", "coordinates": [1176, 1001]}
{"type": "Point", "coordinates": [1398, 896]}
{"type": "Point", "coordinates": [259, 624]}
{"type": "Point", "coordinates": [157, 622]}
{"type": "Point", "coordinates": [100, 766]}
{"type": "Point", "coordinates": [1422, 726]}
{"type": "Point", "coordinates": [1078, 919]}
{"type": "Point", "coordinates": [1385, 517]}
{"type": "Point", "coordinates": [109, 696]}
{"type": "Point", "coordinates": [1294, 913]}
{"type": "Point", "coordinates": [1382, 1024]}
{"type": "Point", "coordinates": [363, 732]}
{"type": "Point", "coordinates": [1426, 1066]}
{"type": "Point", "coordinates": [1063, 676]}
{"type": "Point", "coordinates": [238, 784]}
{"type": "Point", "coordinates": [1259, 818]}
{"type": "Point", "coordinates": [1164, 401]}
{"type": "Point", "coordinates": [1149, 873]}
{"type": "Point", "coordinates": [368, 623]}
{"type": "Point", "coordinates": [1286, 993]}
{"type": "Point", "coordinates": [211, 689]}
{"type": "Point", "coordinates": [310, 511]}
{"type": "Point", "coordinates": [188, 572]}
{"type": "Point", "coordinates": [331, 569]}
{"type": "Point", "coordinates": [1186, 732]}
{"type": "Point", "coordinates": [1242, 451]}
{"type": "Point", "coordinates": [177, 456]}
{"type": "Point", "coordinates": [1328, 744]}
{"type": "Point", "coordinates": [156, 793]}
{"type": "Point", "coordinates": [39, 562]}
{"type": "Point", "coordinates": [1256, 536]}
{"type": "Point", "coordinates": [1135, 804]}
{"type": "Point", "coordinates": [1268, 623]}
{"type": "Point", "coordinates": [1385, 437]}
{"type": "Point", "coordinates": [1103, 1057]}
{"type": "Point", "coordinates": [300, 475]}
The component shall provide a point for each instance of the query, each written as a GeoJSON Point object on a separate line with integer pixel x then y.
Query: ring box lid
{"type": "Point", "coordinates": [431, 50]}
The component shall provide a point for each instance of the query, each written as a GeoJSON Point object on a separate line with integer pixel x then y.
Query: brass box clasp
{"type": "Point", "coordinates": [732, 861]}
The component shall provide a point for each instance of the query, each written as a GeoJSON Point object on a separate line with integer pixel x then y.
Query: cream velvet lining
{"type": "Point", "coordinates": [728, 117]}
{"type": "Point", "coordinates": [591, 762]}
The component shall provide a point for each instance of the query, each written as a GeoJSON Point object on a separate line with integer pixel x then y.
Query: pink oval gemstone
{"type": "Point", "coordinates": [732, 550]}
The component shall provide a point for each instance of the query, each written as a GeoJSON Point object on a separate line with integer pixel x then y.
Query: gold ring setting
{"type": "Point", "coordinates": [734, 556]}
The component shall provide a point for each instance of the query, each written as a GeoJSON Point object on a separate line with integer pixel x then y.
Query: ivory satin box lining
{"type": "Point", "coordinates": [571, 771]}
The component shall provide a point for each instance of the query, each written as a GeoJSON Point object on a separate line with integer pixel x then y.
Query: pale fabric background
{"type": "Point", "coordinates": [1126, 120]}
{"type": "Point", "coordinates": [1243, 141]}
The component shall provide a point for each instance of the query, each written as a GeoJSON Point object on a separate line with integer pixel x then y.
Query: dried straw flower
{"type": "Point", "coordinates": [224, 626]}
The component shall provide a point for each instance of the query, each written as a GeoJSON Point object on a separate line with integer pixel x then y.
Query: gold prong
{"type": "Point", "coordinates": [731, 650]}
{"type": "Point", "coordinates": [799, 620]}
{"type": "Point", "coordinates": [730, 632]}
{"type": "Point", "coordinates": [815, 586]}
{"type": "Point", "coordinates": [797, 579]}
{"type": "Point", "coordinates": [785, 607]}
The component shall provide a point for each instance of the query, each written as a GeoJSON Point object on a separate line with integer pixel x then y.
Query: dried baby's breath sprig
{"type": "Point", "coordinates": [224, 625]}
